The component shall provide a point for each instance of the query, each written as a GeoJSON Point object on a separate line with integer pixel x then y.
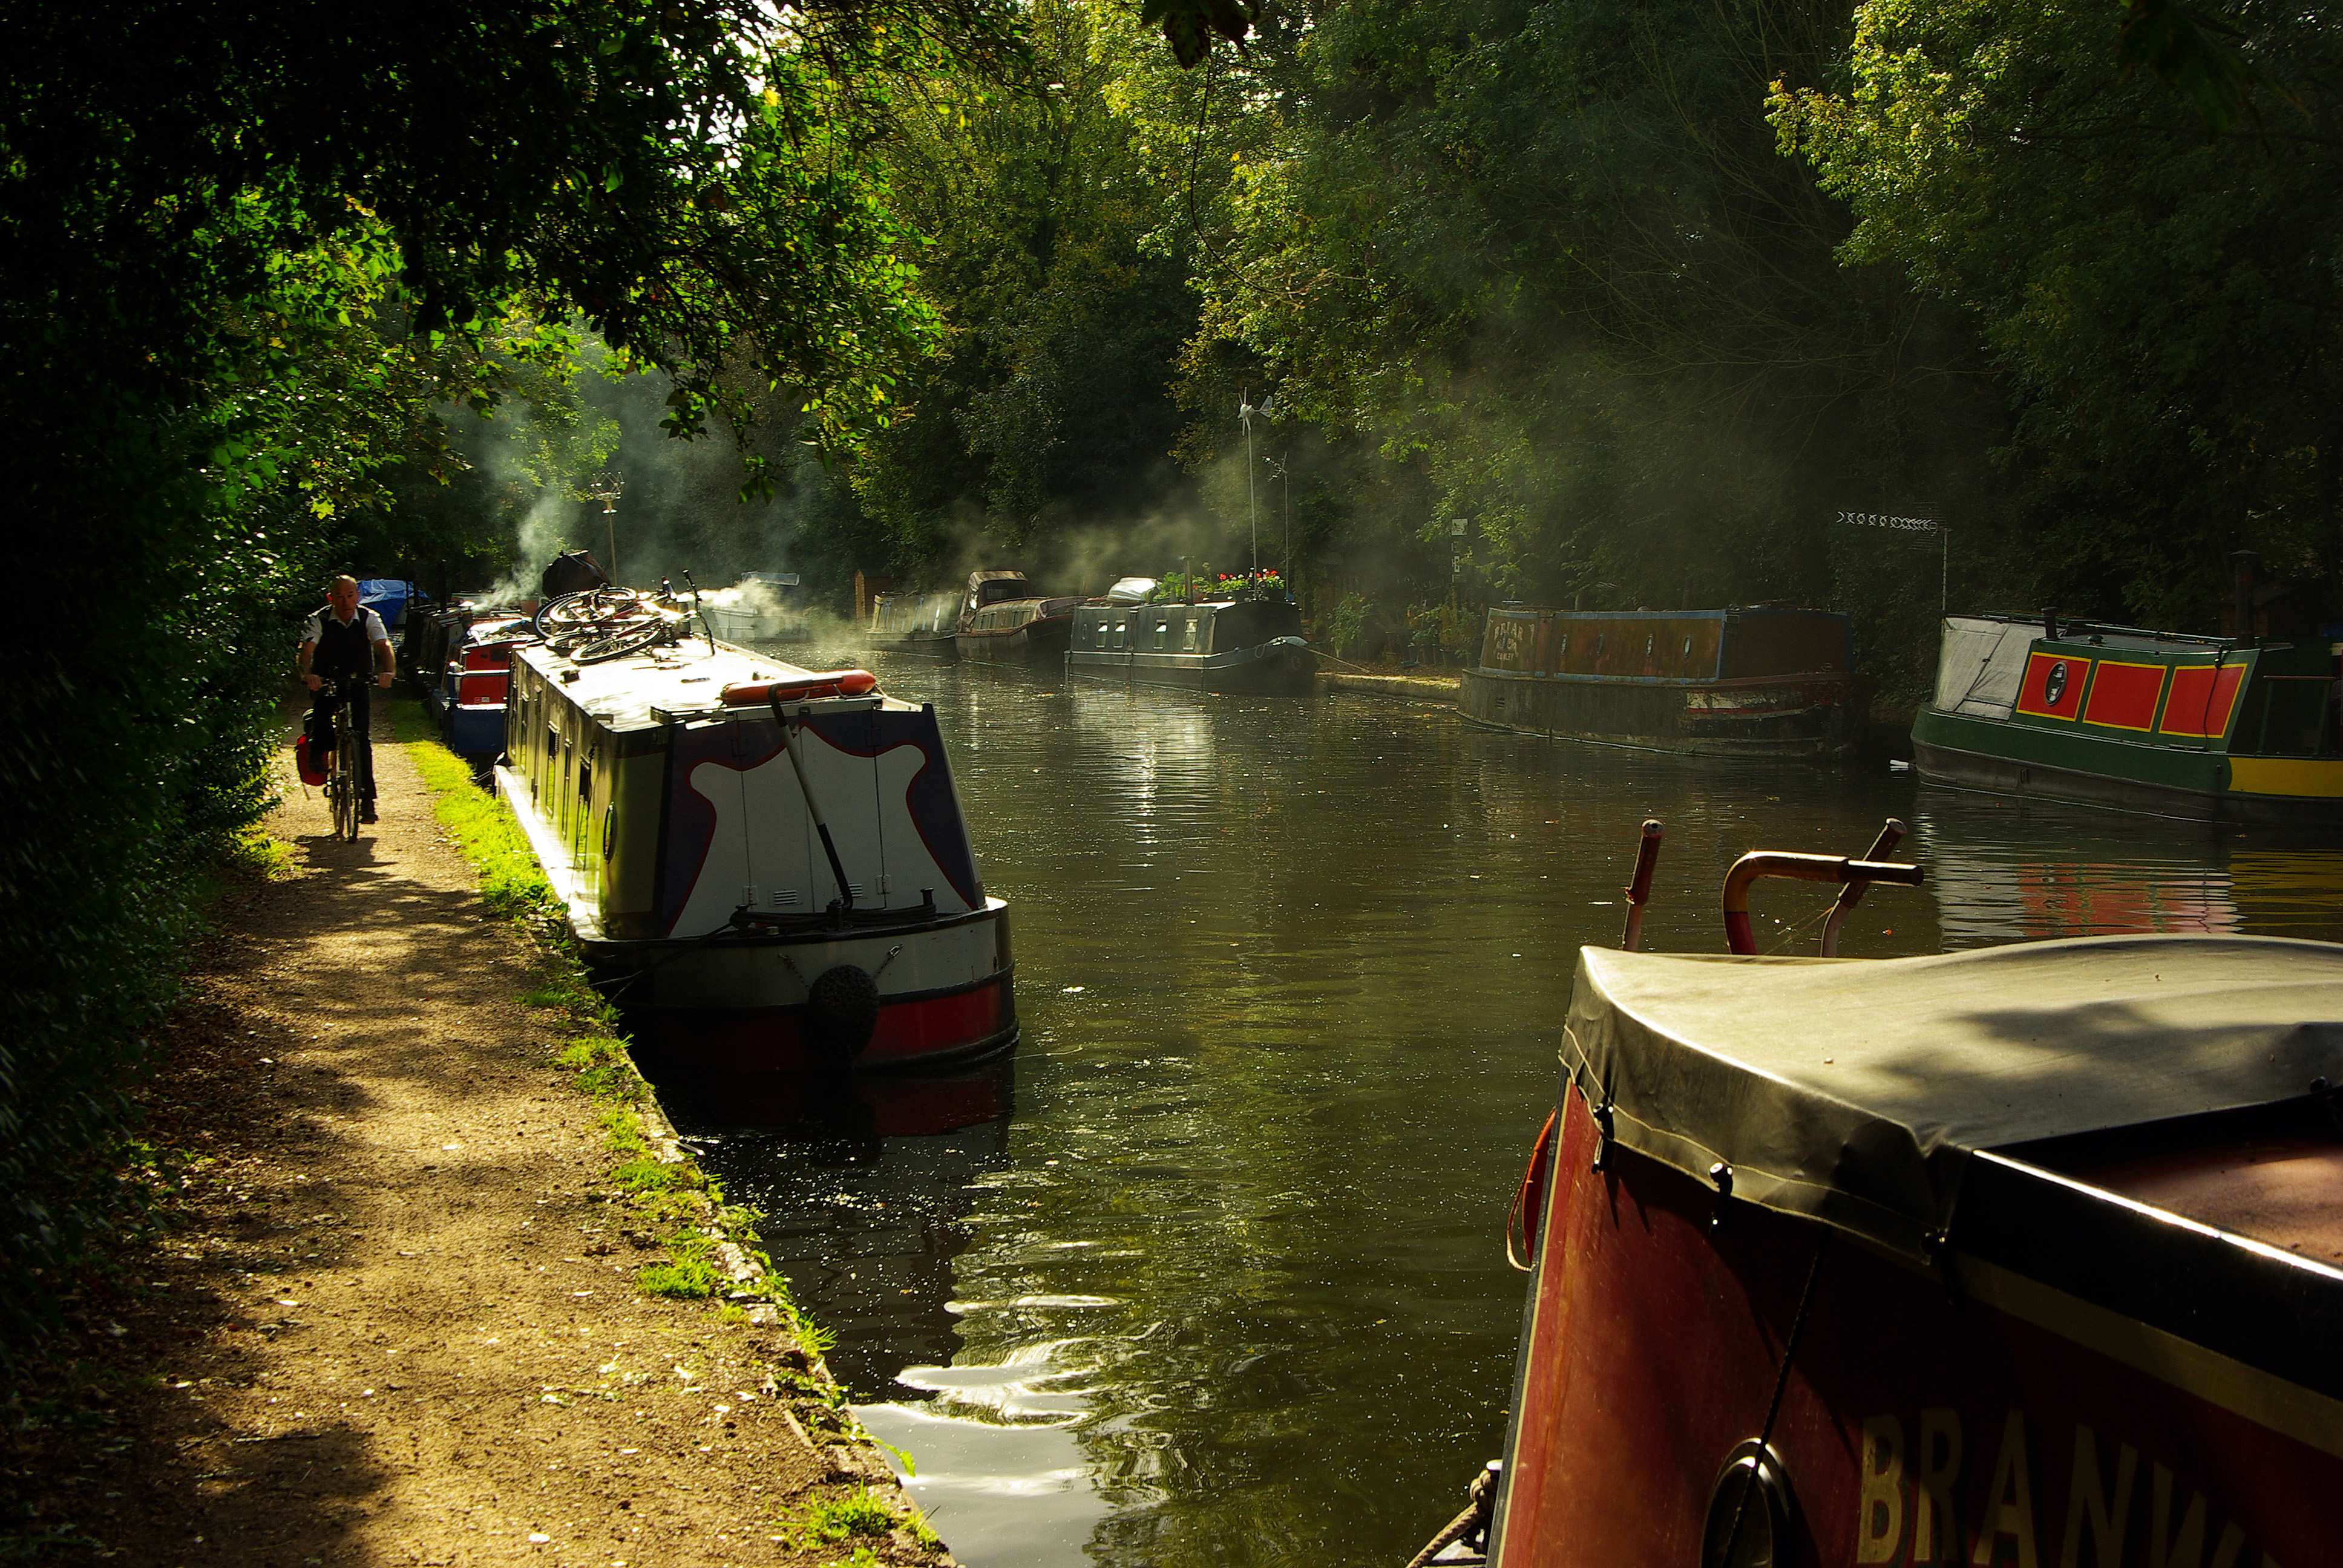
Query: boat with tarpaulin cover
{"type": "Point", "coordinates": [1003, 621]}
{"type": "Point", "coordinates": [2025, 1255]}
{"type": "Point", "coordinates": [2214, 728]}
{"type": "Point", "coordinates": [1761, 681]}
{"type": "Point", "coordinates": [765, 865]}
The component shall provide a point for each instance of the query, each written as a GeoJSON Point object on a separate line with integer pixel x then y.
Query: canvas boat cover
{"type": "Point", "coordinates": [1852, 1090]}
{"type": "Point", "coordinates": [1980, 664]}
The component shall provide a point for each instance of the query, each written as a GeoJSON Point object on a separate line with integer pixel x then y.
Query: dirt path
{"type": "Point", "coordinates": [398, 1323]}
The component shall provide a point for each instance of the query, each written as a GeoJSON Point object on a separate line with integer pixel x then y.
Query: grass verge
{"type": "Point", "coordinates": [712, 1247]}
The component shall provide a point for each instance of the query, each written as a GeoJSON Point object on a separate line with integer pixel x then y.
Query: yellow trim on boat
{"type": "Point", "coordinates": [2315, 776]}
{"type": "Point", "coordinates": [2260, 1397]}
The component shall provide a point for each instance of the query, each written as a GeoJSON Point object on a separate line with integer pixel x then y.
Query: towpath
{"type": "Point", "coordinates": [396, 1321]}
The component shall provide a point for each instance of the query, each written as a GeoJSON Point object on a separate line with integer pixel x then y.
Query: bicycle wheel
{"type": "Point", "coordinates": [577, 611]}
{"type": "Point", "coordinates": [346, 767]}
{"type": "Point", "coordinates": [619, 641]}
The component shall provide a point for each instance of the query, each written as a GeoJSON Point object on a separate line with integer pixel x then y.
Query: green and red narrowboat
{"type": "Point", "coordinates": [1744, 682]}
{"type": "Point", "coordinates": [2214, 728]}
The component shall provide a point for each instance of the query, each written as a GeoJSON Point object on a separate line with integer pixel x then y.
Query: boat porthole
{"type": "Point", "coordinates": [1599, 641]}
{"type": "Point", "coordinates": [2055, 687]}
{"type": "Point", "coordinates": [1687, 647]}
{"type": "Point", "coordinates": [1750, 1512]}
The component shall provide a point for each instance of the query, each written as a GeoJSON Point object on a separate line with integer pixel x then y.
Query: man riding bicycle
{"type": "Point", "coordinates": [342, 644]}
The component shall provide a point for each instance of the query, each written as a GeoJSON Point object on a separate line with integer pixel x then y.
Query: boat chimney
{"type": "Point", "coordinates": [2246, 561]}
{"type": "Point", "coordinates": [2050, 621]}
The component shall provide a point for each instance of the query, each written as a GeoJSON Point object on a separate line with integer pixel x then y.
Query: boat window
{"type": "Point", "coordinates": [1118, 632]}
{"type": "Point", "coordinates": [1649, 643]}
{"type": "Point", "coordinates": [1190, 643]}
{"type": "Point", "coordinates": [1600, 639]}
{"type": "Point", "coordinates": [1163, 633]}
{"type": "Point", "coordinates": [1688, 647]}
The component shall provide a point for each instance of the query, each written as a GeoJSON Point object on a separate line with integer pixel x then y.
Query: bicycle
{"type": "Point", "coordinates": [342, 764]}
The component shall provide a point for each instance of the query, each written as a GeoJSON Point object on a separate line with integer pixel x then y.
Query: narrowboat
{"type": "Point", "coordinates": [766, 866]}
{"type": "Point", "coordinates": [460, 660]}
{"type": "Point", "coordinates": [1001, 620]}
{"type": "Point", "coordinates": [1760, 682]}
{"type": "Point", "coordinates": [2023, 1255]}
{"type": "Point", "coordinates": [1250, 646]}
{"type": "Point", "coordinates": [2219, 729]}
{"type": "Point", "coordinates": [920, 623]}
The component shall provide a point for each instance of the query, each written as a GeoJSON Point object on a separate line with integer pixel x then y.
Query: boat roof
{"type": "Point", "coordinates": [2072, 630]}
{"type": "Point", "coordinates": [1852, 1090]}
{"type": "Point", "coordinates": [645, 691]}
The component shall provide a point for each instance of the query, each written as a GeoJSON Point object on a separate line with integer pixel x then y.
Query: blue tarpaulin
{"type": "Point", "coordinates": [387, 597]}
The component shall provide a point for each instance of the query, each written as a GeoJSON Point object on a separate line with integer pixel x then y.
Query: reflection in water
{"type": "Point", "coordinates": [861, 1186]}
{"type": "Point", "coordinates": [1227, 1284]}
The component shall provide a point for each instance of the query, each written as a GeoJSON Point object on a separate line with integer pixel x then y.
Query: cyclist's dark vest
{"type": "Point", "coordinates": [342, 649]}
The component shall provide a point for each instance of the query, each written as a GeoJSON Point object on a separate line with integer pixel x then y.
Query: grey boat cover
{"type": "Point", "coordinates": [1852, 1090]}
{"type": "Point", "coordinates": [1980, 664]}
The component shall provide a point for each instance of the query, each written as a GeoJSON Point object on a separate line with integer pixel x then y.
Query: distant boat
{"type": "Point", "coordinates": [1002, 620]}
{"type": "Point", "coordinates": [922, 623]}
{"type": "Point", "coordinates": [2207, 728]}
{"type": "Point", "coordinates": [1252, 646]}
{"type": "Point", "coordinates": [1756, 682]}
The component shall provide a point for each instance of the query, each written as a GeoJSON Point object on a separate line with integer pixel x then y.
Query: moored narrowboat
{"type": "Point", "coordinates": [2213, 729]}
{"type": "Point", "coordinates": [1756, 682]}
{"type": "Point", "coordinates": [1002, 620]}
{"type": "Point", "coordinates": [920, 623]}
{"type": "Point", "coordinates": [2025, 1255]}
{"type": "Point", "coordinates": [766, 866]}
{"type": "Point", "coordinates": [460, 660]}
{"type": "Point", "coordinates": [1249, 646]}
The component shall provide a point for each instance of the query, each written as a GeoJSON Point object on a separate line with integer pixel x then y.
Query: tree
{"type": "Point", "coordinates": [244, 251]}
{"type": "Point", "coordinates": [2162, 300]}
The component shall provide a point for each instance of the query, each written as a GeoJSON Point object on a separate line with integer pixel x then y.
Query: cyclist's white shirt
{"type": "Point", "coordinates": [375, 633]}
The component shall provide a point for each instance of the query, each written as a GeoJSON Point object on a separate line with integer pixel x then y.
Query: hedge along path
{"type": "Point", "coordinates": [423, 1301]}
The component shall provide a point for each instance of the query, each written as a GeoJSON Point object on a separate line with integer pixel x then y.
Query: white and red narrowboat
{"type": "Point", "coordinates": [2022, 1257]}
{"type": "Point", "coordinates": [767, 865]}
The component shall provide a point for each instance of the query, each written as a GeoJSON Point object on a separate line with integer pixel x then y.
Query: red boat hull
{"type": "Point", "coordinates": [1973, 1415]}
{"type": "Point", "coordinates": [912, 1032]}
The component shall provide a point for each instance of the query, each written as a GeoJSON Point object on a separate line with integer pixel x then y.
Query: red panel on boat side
{"type": "Point", "coordinates": [2123, 696]}
{"type": "Point", "coordinates": [2202, 698]}
{"type": "Point", "coordinates": [2053, 687]}
{"type": "Point", "coordinates": [2024, 1414]}
{"type": "Point", "coordinates": [934, 1028]}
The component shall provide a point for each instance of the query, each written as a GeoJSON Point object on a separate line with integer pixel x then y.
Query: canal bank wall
{"type": "Point", "coordinates": [437, 1283]}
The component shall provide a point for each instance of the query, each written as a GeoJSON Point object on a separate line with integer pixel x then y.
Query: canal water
{"type": "Point", "coordinates": [1212, 1269]}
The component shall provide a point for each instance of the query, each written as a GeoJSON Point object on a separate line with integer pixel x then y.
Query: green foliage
{"type": "Point", "coordinates": [245, 254]}
{"type": "Point", "coordinates": [1346, 625]}
{"type": "Point", "coordinates": [688, 1280]}
{"type": "Point", "coordinates": [1049, 409]}
{"type": "Point", "coordinates": [2162, 303]}
{"type": "Point", "coordinates": [831, 1520]}
{"type": "Point", "coordinates": [512, 883]}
